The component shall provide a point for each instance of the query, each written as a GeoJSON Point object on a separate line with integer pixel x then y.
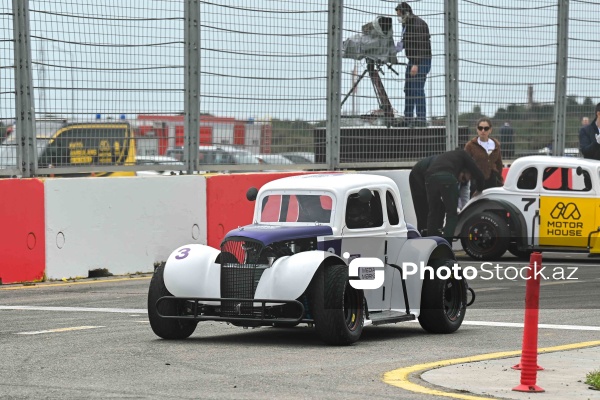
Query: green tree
{"type": "Point", "coordinates": [3, 129]}
{"type": "Point", "coordinates": [291, 136]}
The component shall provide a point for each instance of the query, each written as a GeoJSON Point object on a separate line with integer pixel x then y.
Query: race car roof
{"type": "Point", "coordinates": [336, 182]}
{"type": "Point", "coordinates": [554, 161]}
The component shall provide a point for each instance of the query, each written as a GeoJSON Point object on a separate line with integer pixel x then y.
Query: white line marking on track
{"type": "Point", "coordinates": [541, 326]}
{"type": "Point", "coordinates": [78, 309]}
{"type": "Point", "coordinates": [73, 328]}
{"type": "Point", "coordinates": [144, 311]}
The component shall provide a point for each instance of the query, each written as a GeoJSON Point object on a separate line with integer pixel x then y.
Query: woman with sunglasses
{"type": "Point", "coordinates": [485, 150]}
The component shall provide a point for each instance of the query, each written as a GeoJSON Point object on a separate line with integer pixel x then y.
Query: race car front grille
{"type": "Point", "coordinates": [240, 274]}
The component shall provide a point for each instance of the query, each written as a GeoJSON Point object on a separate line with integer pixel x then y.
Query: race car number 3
{"type": "Point", "coordinates": [183, 253]}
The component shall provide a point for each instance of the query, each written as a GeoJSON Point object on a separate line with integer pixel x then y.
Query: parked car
{"type": "Point", "coordinates": [569, 151]}
{"type": "Point", "coordinates": [172, 165]}
{"type": "Point", "coordinates": [293, 265]}
{"type": "Point", "coordinates": [547, 203]}
{"type": "Point", "coordinates": [276, 159]}
{"type": "Point", "coordinates": [217, 155]}
{"type": "Point", "coordinates": [301, 157]}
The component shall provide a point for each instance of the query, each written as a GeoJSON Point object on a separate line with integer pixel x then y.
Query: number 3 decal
{"type": "Point", "coordinates": [183, 253]}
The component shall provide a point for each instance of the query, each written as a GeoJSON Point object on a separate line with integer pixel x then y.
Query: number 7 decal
{"type": "Point", "coordinates": [528, 201]}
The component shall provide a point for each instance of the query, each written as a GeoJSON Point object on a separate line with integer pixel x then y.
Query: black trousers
{"type": "Point", "coordinates": [442, 195]}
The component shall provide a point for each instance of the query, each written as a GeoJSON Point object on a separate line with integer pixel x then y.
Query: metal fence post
{"type": "Point", "coordinates": [334, 82]}
{"type": "Point", "coordinates": [560, 98]}
{"type": "Point", "coordinates": [192, 84]}
{"type": "Point", "coordinates": [451, 72]}
{"type": "Point", "coordinates": [24, 104]}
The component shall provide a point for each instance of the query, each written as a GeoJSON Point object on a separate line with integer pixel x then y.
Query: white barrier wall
{"type": "Point", "coordinates": [122, 224]}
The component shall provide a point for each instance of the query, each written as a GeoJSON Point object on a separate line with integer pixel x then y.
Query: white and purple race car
{"type": "Point", "coordinates": [329, 250]}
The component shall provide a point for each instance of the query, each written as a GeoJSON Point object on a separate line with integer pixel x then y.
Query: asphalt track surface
{"type": "Point", "coordinates": [91, 339]}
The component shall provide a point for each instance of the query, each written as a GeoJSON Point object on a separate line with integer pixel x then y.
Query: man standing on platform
{"type": "Point", "coordinates": [416, 43]}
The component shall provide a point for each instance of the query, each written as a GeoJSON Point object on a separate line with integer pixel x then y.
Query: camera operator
{"type": "Point", "coordinates": [416, 43]}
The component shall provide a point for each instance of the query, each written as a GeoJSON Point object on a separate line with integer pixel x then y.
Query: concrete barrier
{"type": "Point", "coordinates": [121, 224]}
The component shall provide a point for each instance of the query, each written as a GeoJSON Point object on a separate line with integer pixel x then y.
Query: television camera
{"type": "Point", "coordinates": [375, 44]}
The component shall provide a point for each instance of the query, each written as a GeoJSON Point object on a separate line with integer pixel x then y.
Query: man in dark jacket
{"type": "Point", "coordinates": [589, 137]}
{"type": "Point", "coordinates": [441, 179]}
{"type": "Point", "coordinates": [416, 42]}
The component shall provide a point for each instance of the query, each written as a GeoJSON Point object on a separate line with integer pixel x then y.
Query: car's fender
{"type": "Point", "coordinates": [191, 271]}
{"type": "Point", "coordinates": [418, 251]}
{"type": "Point", "coordinates": [289, 276]}
{"type": "Point", "coordinates": [518, 225]}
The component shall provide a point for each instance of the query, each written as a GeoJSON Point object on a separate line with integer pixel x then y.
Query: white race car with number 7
{"type": "Point", "coordinates": [316, 244]}
{"type": "Point", "coordinates": [546, 204]}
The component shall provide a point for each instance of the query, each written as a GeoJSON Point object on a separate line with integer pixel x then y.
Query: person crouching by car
{"type": "Point", "coordinates": [485, 150]}
{"type": "Point", "coordinates": [441, 181]}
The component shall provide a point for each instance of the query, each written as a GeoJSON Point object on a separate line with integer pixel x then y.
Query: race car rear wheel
{"type": "Point", "coordinates": [163, 327]}
{"type": "Point", "coordinates": [485, 236]}
{"type": "Point", "coordinates": [338, 309]}
{"type": "Point", "coordinates": [443, 302]}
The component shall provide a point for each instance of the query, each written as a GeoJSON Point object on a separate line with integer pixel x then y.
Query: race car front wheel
{"type": "Point", "coordinates": [163, 327]}
{"type": "Point", "coordinates": [338, 309]}
{"type": "Point", "coordinates": [485, 236]}
{"type": "Point", "coordinates": [443, 302]}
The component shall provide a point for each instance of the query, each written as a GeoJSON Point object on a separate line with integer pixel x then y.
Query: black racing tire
{"type": "Point", "coordinates": [520, 254]}
{"type": "Point", "coordinates": [443, 302]}
{"type": "Point", "coordinates": [166, 328]}
{"type": "Point", "coordinates": [485, 236]}
{"type": "Point", "coordinates": [338, 309]}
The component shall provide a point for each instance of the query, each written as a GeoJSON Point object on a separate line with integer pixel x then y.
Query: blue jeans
{"type": "Point", "coordinates": [414, 90]}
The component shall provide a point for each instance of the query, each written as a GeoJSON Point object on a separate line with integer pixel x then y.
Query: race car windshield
{"type": "Point", "coordinates": [296, 208]}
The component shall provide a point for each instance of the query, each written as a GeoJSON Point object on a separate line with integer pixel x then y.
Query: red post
{"type": "Point", "coordinates": [529, 350]}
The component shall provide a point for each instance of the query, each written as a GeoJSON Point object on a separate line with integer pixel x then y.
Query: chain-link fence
{"type": "Point", "coordinates": [136, 87]}
{"type": "Point", "coordinates": [528, 66]}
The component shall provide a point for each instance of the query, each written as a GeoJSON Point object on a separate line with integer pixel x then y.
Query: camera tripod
{"type": "Point", "coordinates": [375, 67]}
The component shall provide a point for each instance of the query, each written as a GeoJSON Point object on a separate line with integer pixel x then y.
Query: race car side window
{"type": "Point", "coordinates": [528, 179]}
{"type": "Point", "coordinates": [361, 214]}
{"type": "Point", "coordinates": [567, 179]}
{"type": "Point", "coordinates": [392, 209]}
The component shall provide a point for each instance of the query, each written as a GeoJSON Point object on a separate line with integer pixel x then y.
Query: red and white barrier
{"type": "Point", "coordinates": [65, 227]}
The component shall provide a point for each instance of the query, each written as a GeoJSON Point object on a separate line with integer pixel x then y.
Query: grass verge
{"type": "Point", "coordinates": [593, 379]}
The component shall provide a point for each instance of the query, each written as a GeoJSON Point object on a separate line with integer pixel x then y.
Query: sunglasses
{"type": "Point", "coordinates": [483, 128]}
